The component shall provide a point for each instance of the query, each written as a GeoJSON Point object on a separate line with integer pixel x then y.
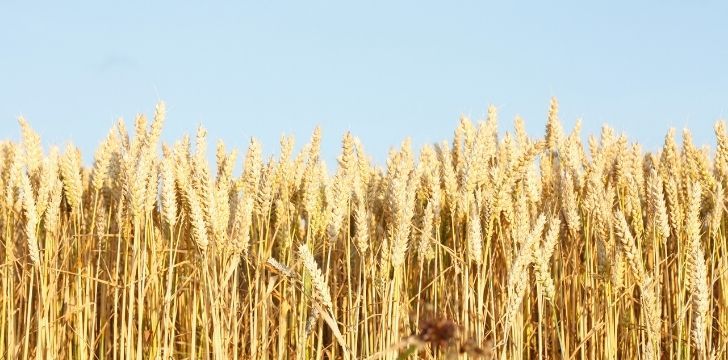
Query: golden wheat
{"type": "Point", "coordinates": [485, 245]}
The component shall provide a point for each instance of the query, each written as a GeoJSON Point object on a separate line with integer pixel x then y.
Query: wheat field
{"type": "Point", "coordinates": [485, 246]}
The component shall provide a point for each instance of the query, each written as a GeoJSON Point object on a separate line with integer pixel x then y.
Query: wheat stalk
{"type": "Point", "coordinates": [148, 254]}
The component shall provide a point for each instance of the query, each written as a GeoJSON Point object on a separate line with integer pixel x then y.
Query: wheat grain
{"type": "Point", "coordinates": [628, 246]}
{"type": "Point", "coordinates": [70, 169]}
{"type": "Point", "coordinates": [542, 258]}
{"type": "Point", "coordinates": [651, 308]}
{"type": "Point", "coordinates": [169, 196]}
{"type": "Point", "coordinates": [31, 219]}
{"type": "Point", "coordinates": [475, 239]}
{"type": "Point", "coordinates": [321, 291]}
{"type": "Point", "coordinates": [425, 249]}
{"type": "Point", "coordinates": [31, 147]}
{"type": "Point", "coordinates": [518, 274]}
{"type": "Point", "coordinates": [554, 131]}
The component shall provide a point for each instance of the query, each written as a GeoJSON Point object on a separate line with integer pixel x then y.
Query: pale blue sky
{"type": "Point", "coordinates": [384, 70]}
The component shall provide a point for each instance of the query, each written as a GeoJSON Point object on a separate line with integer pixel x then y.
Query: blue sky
{"type": "Point", "coordinates": [382, 69]}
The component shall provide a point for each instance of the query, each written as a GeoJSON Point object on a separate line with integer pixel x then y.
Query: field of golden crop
{"type": "Point", "coordinates": [492, 246]}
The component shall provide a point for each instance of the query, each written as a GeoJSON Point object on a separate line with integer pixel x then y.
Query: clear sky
{"type": "Point", "coordinates": [382, 69]}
